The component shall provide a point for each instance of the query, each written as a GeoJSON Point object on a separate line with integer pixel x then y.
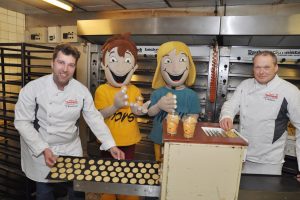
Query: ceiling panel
{"type": "Point", "coordinates": [192, 3]}
{"type": "Point", "coordinates": [142, 4]}
{"type": "Point", "coordinates": [252, 2]}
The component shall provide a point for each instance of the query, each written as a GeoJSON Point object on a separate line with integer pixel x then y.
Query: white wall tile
{"type": "Point", "coordinates": [3, 10]}
{"type": "Point", "coordinates": [11, 20]}
{"type": "Point", "coordinates": [4, 35]}
{"type": "Point", "coordinates": [3, 17]}
{"type": "Point", "coordinates": [12, 28]}
{"type": "Point", "coordinates": [11, 13]}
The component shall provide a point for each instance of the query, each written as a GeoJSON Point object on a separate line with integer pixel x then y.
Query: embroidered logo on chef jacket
{"type": "Point", "coordinates": [71, 103]}
{"type": "Point", "coordinates": [271, 96]}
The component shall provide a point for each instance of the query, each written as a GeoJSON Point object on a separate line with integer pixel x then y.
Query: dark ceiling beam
{"type": "Point", "coordinates": [76, 6]}
{"type": "Point", "coordinates": [168, 3]}
{"type": "Point", "coordinates": [114, 1]}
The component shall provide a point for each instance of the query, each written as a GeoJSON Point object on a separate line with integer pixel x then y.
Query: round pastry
{"type": "Point", "coordinates": [143, 170]}
{"type": "Point", "coordinates": [148, 165]}
{"type": "Point", "coordinates": [112, 174]}
{"type": "Point", "coordinates": [93, 167]}
{"type": "Point", "coordinates": [87, 172]}
{"type": "Point", "coordinates": [69, 171]}
{"type": "Point", "coordinates": [100, 162]}
{"type": "Point", "coordinates": [82, 160]}
{"type": "Point", "coordinates": [156, 166]}
{"type": "Point", "coordinates": [124, 180]}
{"type": "Point", "coordinates": [106, 179]}
{"type": "Point", "coordinates": [104, 173]}
{"type": "Point", "coordinates": [54, 175]}
{"type": "Point", "coordinates": [102, 167]}
{"type": "Point", "coordinates": [155, 176]}
{"type": "Point", "coordinates": [62, 170]}
{"type": "Point", "coordinates": [121, 174]}
{"type": "Point", "coordinates": [131, 164]}
{"type": "Point", "coordinates": [140, 165]}
{"type": "Point", "coordinates": [142, 181]}
{"type": "Point", "coordinates": [138, 175]}
{"type": "Point", "coordinates": [69, 165]}
{"type": "Point", "coordinates": [91, 162]}
{"type": "Point", "coordinates": [150, 182]}
{"type": "Point", "coordinates": [77, 166]}
{"type": "Point", "coordinates": [59, 159]}
{"type": "Point", "coordinates": [82, 166]}
{"type": "Point", "coordinates": [110, 168]}
{"type": "Point", "coordinates": [70, 177]}
{"type": "Point", "coordinates": [77, 171]}
{"type": "Point", "coordinates": [133, 181]}
{"type": "Point", "coordinates": [98, 178]}
{"type": "Point", "coordinates": [123, 164]}
{"type": "Point", "coordinates": [126, 169]}
{"type": "Point", "coordinates": [80, 177]}
{"type": "Point", "coordinates": [95, 173]}
{"type": "Point", "coordinates": [130, 175]}
{"type": "Point", "coordinates": [60, 165]}
{"type": "Point", "coordinates": [75, 160]}
{"type": "Point", "coordinates": [67, 160]}
{"type": "Point", "coordinates": [116, 164]}
{"type": "Point", "coordinates": [53, 169]}
{"type": "Point", "coordinates": [88, 177]}
{"type": "Point", "coordinates": [146, 176]}
{"type": "Point", "coordinates": [135, 170]}
{"type": "Point", "coordinates": [115, 179]}
{"type": "Point", "coordinates": [63, 176]}
{"type": "Point", "coordinates": [151, 171]}
{"type": "Point", "coordinates": [107, 163]}
{"type": "Point", "coordinates": [118, 169]}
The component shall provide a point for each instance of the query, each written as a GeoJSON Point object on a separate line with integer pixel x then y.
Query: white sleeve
{"type": "Point", "coordinates": [232, 106]}
{"type": "Point", "coordinates": [95, 121]}
{"type": "Point", "coordinates": [24, 118]}
{"type": "Point", "coordinates": [294, 115]}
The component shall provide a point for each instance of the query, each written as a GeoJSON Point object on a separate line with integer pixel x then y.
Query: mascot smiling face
{"type": "Point", "coordinates": [119, 60]}
{"type": "Point", "coordinates": [175, 66]}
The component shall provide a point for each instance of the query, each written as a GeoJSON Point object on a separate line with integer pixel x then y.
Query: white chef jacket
{"type": "Point", "coordinates": [47, 117]}
{"type": "Point", "coordinates": [264, 113]}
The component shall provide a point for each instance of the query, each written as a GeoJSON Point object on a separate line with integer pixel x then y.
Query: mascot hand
{"type": "Point", "coordinates": [139, 110]}
{"type": "Point", "coordinates": [167, 103]}
{"type": "Point", "coordinates": [121, 99]}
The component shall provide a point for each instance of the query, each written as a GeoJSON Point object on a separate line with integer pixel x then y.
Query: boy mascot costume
{"type": "Point", "coordinates": [117, 100]}
{"type": "Point", "coordinates": [174, 72]}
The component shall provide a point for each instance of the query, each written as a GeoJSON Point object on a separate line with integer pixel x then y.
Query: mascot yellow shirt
{"type": "Point", "coordinates": [122, 124]}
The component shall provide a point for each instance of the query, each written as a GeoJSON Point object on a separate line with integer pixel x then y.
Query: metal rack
{"type": "Point", "coordinates": [20, 63]}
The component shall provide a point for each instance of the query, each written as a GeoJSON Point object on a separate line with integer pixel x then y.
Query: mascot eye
{"type": "Point", "coordinates": [113, 60]}
{"type": "Point", "coordinates": [128, 60]}
{"type": "Point", "coordinates": [167, 61]}
{"type": "Point", "coordinates": [182, 59]}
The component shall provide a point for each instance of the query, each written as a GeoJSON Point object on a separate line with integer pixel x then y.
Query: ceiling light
{"type": "Point", "coordinates": [60, 3]}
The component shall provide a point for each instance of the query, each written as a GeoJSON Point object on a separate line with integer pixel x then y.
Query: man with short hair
{"type": "Point", "coordinates": [46, 117]}
{"type": "Point", "coordinates": [265, 103]}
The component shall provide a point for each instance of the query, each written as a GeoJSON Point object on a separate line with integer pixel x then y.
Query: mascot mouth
{"type": "Point", "coordinates": [175, 78]}
{"type": "Point", "coordinates": [119, 79]}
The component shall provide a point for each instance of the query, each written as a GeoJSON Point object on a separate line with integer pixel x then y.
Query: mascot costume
{"type": "Point", "coordinates": [174, 72]}
{"type": "Point", "coordinates": [119, 101]}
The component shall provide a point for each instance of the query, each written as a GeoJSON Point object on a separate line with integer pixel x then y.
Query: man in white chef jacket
{"type": "Point", "coordinates": [46, 117]}
{"type": "Point", "coordinates": [265, 103]}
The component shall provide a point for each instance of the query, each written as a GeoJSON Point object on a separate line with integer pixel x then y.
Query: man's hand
{"type": "Point", "coordinates": [116, 153]}
{"type": "Point", "coordinates": [167, 103]}
{"type": "Point", "coordinates": [226, 124]}
{"type": "Point", "coordinates": [50, 158]}
{"type": "Point", "coordinates": [298, 177]}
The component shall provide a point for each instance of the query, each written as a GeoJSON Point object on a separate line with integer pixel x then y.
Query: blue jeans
{"type": "Point", "coordinates": [48, 191]}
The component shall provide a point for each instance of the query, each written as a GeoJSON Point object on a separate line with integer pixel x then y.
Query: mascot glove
{"type": "Point", "coordinates": [167, 104]}
{"type": "Point", "coordinates": [121, 99]}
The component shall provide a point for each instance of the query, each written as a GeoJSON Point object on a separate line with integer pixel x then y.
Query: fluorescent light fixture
{"type": "Point", "coordinates": [60, 3]}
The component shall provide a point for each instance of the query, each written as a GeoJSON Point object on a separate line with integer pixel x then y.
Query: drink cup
{"type": "Point", "coordinates": [172, 123]}
{"type": "Point", "coordinates": [189, 125]}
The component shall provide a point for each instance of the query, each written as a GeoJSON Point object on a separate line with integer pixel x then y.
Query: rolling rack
{"type": "Point", "coordinates": [20, 63]}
